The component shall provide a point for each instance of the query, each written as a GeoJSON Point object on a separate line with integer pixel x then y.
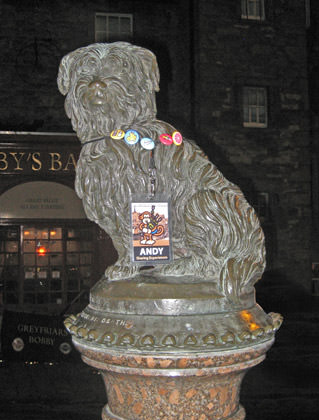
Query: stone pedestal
{"type": "Point", "coordinates": [171, 348]}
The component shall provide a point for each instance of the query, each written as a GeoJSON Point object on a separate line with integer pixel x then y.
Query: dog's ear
{"type": "Point", "coordinates": [150, 69]}
{"type": "Point", "coordinates": [64, 74]}
{"type": "Point", "coordinates": [66, 69]}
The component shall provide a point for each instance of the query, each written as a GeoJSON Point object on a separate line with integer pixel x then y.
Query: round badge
{"type": "Point", "coordinates": [117, 134]}
{"type": "Point", "coordinates": [131, 137]}
{"type": "Point", "coordinates": [147, 143]}
{"type": "Point", "coordinates": [166, 139]}
{"type": "Point", "coordinates": [65, 348]}
{"type": "Point", "coordinates": [177, 138]}
{"type": "Point", "coordinates": [18, 344]}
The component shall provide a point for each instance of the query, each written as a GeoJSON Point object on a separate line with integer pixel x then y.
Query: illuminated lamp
{"type": "Point", "coordinates": [41, 250]}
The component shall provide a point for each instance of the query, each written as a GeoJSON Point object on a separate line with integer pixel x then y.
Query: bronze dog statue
{"type": "Point", "coordinates": [216, 234]}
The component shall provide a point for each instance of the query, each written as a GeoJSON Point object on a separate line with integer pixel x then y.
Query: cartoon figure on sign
{"type": "Point", "coordinates": [150, 227]}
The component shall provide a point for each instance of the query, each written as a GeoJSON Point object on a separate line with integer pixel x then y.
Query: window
{"type": "Point", "coordinates": [113, 27]}
{"type": "Point", "coordinates": [42, 265]}
{"type": "Point", "coordinates": [255, 107]}
{"type": "Point", "coordinates": [253, 9]}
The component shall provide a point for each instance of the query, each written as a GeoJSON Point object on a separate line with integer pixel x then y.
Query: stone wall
{"type": "Point", "coordinates": [35, 35]}
{"type": "Point", "coordinates": [233, 53]}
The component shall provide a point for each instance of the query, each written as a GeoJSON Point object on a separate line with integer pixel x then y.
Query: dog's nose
{"type": "Point", "coordinates": [97, 84]}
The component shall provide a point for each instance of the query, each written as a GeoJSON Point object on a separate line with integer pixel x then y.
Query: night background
{"type": "Point", "coordinates": [240, 77]}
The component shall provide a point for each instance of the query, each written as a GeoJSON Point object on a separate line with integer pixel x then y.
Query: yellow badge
{"type": "Point", "coordinates": [117, 134]}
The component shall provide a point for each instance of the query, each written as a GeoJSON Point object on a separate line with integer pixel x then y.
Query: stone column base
{"type": "Point", "coordinates": [201, 386]}
{"type": "Point", "coordinates": [166, 355]}
{"type": "Point", "coordinates": [107, 415]}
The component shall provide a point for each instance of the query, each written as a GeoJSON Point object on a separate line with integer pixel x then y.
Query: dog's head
{"type": "Point", "coordinates": [108, 87]}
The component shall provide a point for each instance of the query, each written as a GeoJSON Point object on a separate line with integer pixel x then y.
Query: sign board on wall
{"type": "Point", "coordinates": [34, 337]}
{"type": "Point", "coordinates": [41, 200]}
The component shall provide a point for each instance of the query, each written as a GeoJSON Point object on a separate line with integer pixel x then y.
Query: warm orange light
{"type": "Point", "coordinates": [248, 318]}
{"type": "Point", "coordinates": [53, 233]}
{"type": "Point", "coordinates": [26, 232]}
{"type": "Point", "coordinates": [41, 250]}
{"type": "Point", "coordinates": [252, 326]}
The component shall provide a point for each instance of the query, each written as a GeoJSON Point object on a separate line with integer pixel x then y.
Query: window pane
{"type": "Point", "coordinates": [257, 9]}
{"type": "Point", "coordinates": [55, 233]}
{"type": "Point", "coordinates": [125, 25]}
{"type": "Point", "coordinates": [29, 273]}
{"type": "Point", "coordinates": [55, 246]}
{"type": "Point", "coordinates": [72, 246]}
{"type": "Point", "coordinates": [72, 259]}
{"type": "Point", "coordinates": [29, 298]}
{"type": "Point", "coordinates": [56, 284]}
{"type": "Point", "coordinates": [244, 8]}
{"type": "Point", "coordinates": [253, 115]}
{"type": "Point", "coordinates": [42, 260]}
{"type": "Point", "coordinates": [42, 273]}
{"type": "Point", "coordinates": [261, 97]}
{"type": "Point", "coordinates": [56, 274]}
{"type": "Point", "coordinates": [11, 285]}
{"type": "Point", "coordinates": [11, 298]}
{"type": "Point", "coordinates": [262, 115]}
{"type": "Point", "coordinates": [251, 8]}
{"type": "Point", "coordinates": [73, 284]}
{"type": "Point", "coordinates": [80, 233]}
{"type": "Point", "coordinates": [56, 259]}
{"type": "Point", "coordinates": [29, 284]}
{"type": "Point", "coordinates": [113, 25]}
{"type": "Point", "coordinates": [43, 284]}
{"type": "Point", "coordinates": [12, 259]}
{"type": "Point", "coordinates": [29, 233]}
{"type": "Point", "coordinates": [12, 246]}
{"type": "Point", "coordinates": [29, 246]}
{"type": "Point", "coordinates": [43, 298]}
{"type": "Point", "coordinates": [29, 259]}
{"type": "Point", "coordinates": [75, 246]}
{"type": "Point", "coordinates": [252, 97]}
{"type": "Point", "coordinates": [100, 37]}
{"type": "Point", "coordinates": [56, 298]}
{"type": "Point", "coordinates": [100, 23]}
{"type": "Point", "coordinates": [246, 114]}
{"type": "Point", "coordinates": [43, 234]}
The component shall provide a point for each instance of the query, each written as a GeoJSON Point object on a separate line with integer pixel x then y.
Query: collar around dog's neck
{"type": "Point", "coordinates": [93, 140]}
{"type": "Point", "coordinates": [132, 137]}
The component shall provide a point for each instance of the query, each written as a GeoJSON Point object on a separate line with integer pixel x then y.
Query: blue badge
{"type": "Point", "coordinates": [131, 137]}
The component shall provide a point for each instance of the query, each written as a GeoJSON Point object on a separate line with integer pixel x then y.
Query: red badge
{"type": "Point", "coordinates": [166, 139]}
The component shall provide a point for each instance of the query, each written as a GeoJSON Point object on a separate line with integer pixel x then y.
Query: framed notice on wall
{"type": "Point", "coordinates": [150, 223]}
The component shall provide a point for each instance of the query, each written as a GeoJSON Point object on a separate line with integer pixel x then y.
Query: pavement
{"type": "Point", "coordinates": [284, 387]}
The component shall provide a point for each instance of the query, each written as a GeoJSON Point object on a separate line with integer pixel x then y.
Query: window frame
{"type": "Point", "coordinates": [245, 98]}
{"type": "Point", "coordinates": [245, 10]}
{"type": "Point", "coordinates": [66, 292]}
{"type": "Point", "coordinates": [109, 37]}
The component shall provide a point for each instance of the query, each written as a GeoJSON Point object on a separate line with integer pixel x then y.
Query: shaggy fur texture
{"type": "Point", "coordinates": [216, 234]}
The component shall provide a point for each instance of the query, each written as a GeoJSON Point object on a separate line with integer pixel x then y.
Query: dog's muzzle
{"type": "Point", "coordinates": [96, 93]}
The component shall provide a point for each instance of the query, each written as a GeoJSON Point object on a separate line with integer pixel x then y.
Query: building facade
{"type": "Point", "coordinates": [234, 77]}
